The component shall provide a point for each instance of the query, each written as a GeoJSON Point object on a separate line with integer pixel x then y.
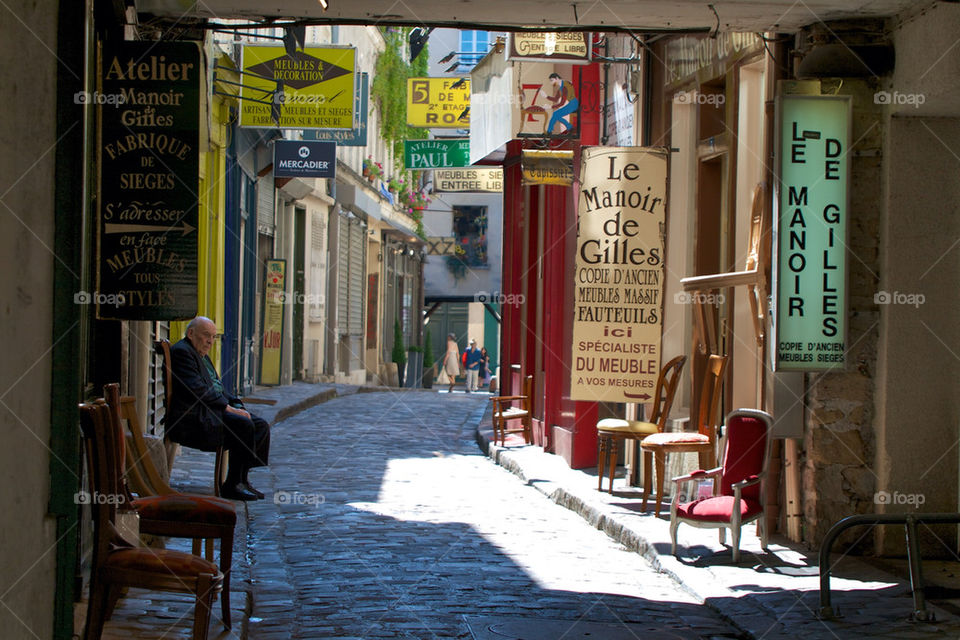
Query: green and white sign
{"type": "Point", "coordinates": [812, 232]}
{"type": "Point", "coordinates": [436, 154]}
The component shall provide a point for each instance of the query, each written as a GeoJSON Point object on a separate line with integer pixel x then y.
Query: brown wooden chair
{"type": "Point", "coordinates": [612, 430]}
{"type": "Point", "coordinates": [708, 378]}
{"type": "Point", "coordinates": [162, 347]}
{"type": "Point", "coordinates": [505, 411]}
{"type": "Point", "coordinates": [118, 564]}
{"type": "Point", "coordinates": [165, 512]}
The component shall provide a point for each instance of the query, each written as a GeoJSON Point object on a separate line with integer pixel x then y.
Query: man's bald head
{"type": "Point", "coordinates": [201, 332]}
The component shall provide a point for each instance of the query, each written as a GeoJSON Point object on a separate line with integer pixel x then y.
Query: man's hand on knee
{"type": "Point", "coordinates": [238, 412]}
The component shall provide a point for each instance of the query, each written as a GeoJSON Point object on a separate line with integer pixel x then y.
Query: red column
{"type": "Point", "coordinates": [512, 269]}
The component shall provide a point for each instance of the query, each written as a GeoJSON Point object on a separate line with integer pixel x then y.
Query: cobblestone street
{"type": "Point", "coordinates": [386, 521]}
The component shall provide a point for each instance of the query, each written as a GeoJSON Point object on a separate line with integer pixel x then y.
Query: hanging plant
{"type": "Point", "coordinates": [389, 89]}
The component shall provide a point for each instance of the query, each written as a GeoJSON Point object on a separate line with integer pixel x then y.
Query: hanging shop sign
{"type": "Point", "coordinates": [547, 167]}
{"type": "Point", "coordinates": [304, 159]}
{"type": "Point", "coordinates": [618, 282]}
{"type": "Point", "coordinates": [438, 102]}
{"type": "Point", "coordinates": [811, 260]}
{"type": "Point", "coordinates": [149, 180]}
{"type": "Point", "coordinates": [312, 89]}
{"type": "Point", "coordinates": [274, 296]}
{"type": "Point", "coordinates": [568, 47]}
{"type": "Point", "coordinates": [356, 137]}
{"type": "Point", "coordinates": [545, 103]}
{"type": "Point", "coordinates": [436, 154]}
{"type": "Point", "coordinates": [475, 179]}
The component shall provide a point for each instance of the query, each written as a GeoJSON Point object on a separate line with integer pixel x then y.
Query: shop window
{"type": "Point", "coordinates": [470, 230]}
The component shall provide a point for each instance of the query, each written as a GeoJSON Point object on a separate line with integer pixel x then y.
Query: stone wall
{"type": "Point", "coordinates": [839, 444]}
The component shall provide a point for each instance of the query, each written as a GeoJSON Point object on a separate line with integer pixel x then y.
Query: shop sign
{"type": "Point", "coordinates": [568, 47]}
{"type": "Point", "coordinates": [811, 232]}
{"type": "Point", "coordinates": [436, 154]}
{"type": "Point", "coordinates": [544, 107]}
{"type": "Point", "coordinates": [702, 58]}
{"type": "Point", "coordinates": [304, 159]}
{"type": "Point", "coordinates": [438, 102]}
{"type": "Point", "coordinates": [356, 137]}
{"type": "Point", "coordinates": [312, 89]}
{"type": "Point", "coordinates": [149, 179]}
{"type": "Point", "coordinates": [477, 179]}
{"type": "Point", "coordinates": [547, 167]}
{"type": "Point", "coordinates": [274, 296]}
{"type": "Point", "coordinates": [618, 281]}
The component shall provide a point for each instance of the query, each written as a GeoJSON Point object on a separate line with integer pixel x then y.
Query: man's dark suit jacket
{"type": "Point", "coordinates": [194, 415]}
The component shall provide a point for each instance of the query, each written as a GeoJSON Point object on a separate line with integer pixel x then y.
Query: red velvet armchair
{"type": "Point", "coordinates": [738, 485]}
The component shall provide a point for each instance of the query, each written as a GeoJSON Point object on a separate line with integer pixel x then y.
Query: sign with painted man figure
{"type": "Point", "coordinates": [811, 271]}
{"type": "Point", "coordinates": [618, 281]}
{"type": "Point", "coordinates": [546, 103]}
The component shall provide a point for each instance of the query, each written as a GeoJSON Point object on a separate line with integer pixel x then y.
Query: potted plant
{"type": "Point", "coordinates": [398, 355]}
{"type": "Point", "coordinates": [428, 369]}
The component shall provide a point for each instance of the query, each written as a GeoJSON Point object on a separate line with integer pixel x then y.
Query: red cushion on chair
{"type": "Point", "coordinates": [660, 439]}
{"type": "Point", "coordinates": [717, 509]}
{"type": "Point", "coordinates": [159, 561]}
{"type": "Point", "coordinates": [179, 507]}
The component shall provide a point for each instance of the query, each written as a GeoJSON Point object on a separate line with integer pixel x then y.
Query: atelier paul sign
{"type": "Point", "coordinates": [304, 159]}
{"type": "Point", "coordinates": [618, 283]}
{"type": "Point", "coordinates": [312, 89]}
{"type": "Point", "coordinates": [149, 179]}
{"type": "Point", "coordinates": [547, 167]}
{"type": "Point", "coordinates": [475, 179]}
{"type": "Point", "coordinates": [438, 102]}
{"type": "Point", "coordinates": [436, 154]}
{"type": "Point", "coordinates": [812, 232]}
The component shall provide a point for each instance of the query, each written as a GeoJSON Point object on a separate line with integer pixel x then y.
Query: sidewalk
{"type": "Point", "coordinates": [767, 596]}
{"type": "Point", "coordinates": [155, 615]}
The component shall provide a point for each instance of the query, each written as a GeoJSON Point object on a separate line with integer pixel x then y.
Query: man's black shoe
{"type": "Point", "coordinates": [236, 492]}
{"type": "Point", "coordinates": [246, 485]}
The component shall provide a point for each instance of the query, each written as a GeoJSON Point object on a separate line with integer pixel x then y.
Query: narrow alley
{"type": "Point", "coordinates": [388, 522]}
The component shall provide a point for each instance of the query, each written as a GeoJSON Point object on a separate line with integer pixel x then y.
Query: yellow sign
{"type": "Point", "coordinates": [547, 167]}
{"type": "Point", "coordinates": [273, 305]}
{"type": "Point", "coordinates": [312, 89]}
{"type": "Point", "coordinates": [485, 179]}
{"type": "Point", "coordinates": [618, 282]}
{"type": "Point", "coordinates": [438, 102]}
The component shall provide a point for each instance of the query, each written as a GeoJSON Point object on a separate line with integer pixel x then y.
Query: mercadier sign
{"type": "Point", "coordinates": [304, 159]}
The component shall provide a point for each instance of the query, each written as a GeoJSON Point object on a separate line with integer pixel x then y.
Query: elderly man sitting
{"type": "Point", "coordinates": [202, 416]}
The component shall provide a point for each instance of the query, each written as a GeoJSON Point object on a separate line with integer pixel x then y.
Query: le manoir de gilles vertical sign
{"type": "Point", "coordinates": [812, 232]}
{"type": "Point", "coordinates": [149, 163]}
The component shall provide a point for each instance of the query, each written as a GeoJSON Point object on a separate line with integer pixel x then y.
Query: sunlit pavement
{"type": "Point", "coordinates": [384, 520]}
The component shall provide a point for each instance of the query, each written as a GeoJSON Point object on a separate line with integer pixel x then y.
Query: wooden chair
{"type": "Point", "coordinates": [709, 380]}
{"type": "Point", "coordinates": [165, 512]}
{"type": "Point", "coordinates": [118, 564]}
{"type": "Point", "coordinates": [503, 413]}
{"type": "Point", "coordinates": [162, 347]}
{"type": "Point", "coordinates": [612, 430]}
{"type": "Point", "coordinates": [738, 485]}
